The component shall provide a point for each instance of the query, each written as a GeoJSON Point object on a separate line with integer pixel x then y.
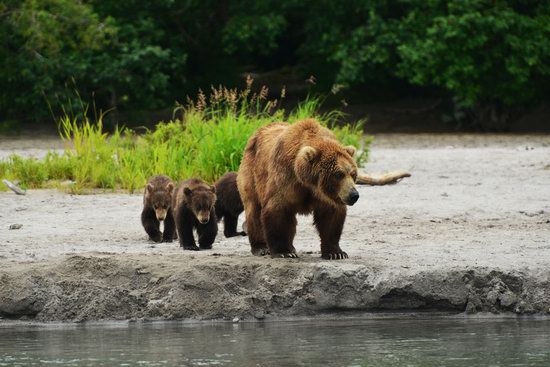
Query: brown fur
{"type": "Point", "coordinates": [193, 205]}
{"type": "Point", "coordinates": [157, 207]}
{"type": "Point", "coordinates": [296, 169]}
{"type": "Point", "coordinates": [229, 204]}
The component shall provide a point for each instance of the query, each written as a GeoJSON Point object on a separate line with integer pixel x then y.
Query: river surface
{"type": "Point", "coordinates": [351, 342]}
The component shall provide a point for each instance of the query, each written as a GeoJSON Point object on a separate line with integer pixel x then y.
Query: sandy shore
{"type": "Point", "coordinates": [468, 232]}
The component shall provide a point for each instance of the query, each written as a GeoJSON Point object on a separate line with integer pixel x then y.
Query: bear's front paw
{"type": "Point", "coordinates": [284, 254]}
{"type": "Point", "coordinates": [335, 255]}
{"type": "Point", "coordinates": [206, 247]}
{"type": "Point", "coordinates": [167, 239]}
{"type": "Point", "coordinates": [156, 237]}
{"type": "Point", "coordinates": [191, 247]}
{"type": "Point", "coordinates": [260, 251]}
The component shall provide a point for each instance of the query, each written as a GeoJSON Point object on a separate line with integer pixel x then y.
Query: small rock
{"type": "Point", "coordinates": [236, 319]}
{"type": "Point", "coordinates": [508, 299]}
{"type": "Point", "coordinates": [16, 226]}
{"type": "Point", "coordinates": [445, 195]}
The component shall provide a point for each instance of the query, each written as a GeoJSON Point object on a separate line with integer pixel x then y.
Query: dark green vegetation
{"type": "Point", "coordinates": [207, 141]}
{"type": "Point", "coordinates": [488, 56]}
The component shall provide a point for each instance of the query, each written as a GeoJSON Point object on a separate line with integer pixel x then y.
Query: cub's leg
{"type": "Point", "coordinates": [151, 224]}
{"type": "Point", "coordinates": [184, 225]}
{"type": "Point", "coordinates": [207, 234]}
{"type": "Point", "coordinates": [230, 226]}
{"type": "Point", "coordinates": [280, 228]}
{"type": "Point", "coordinates": [169, 227]}
{"type": "Point", "coordinates": [329, 222]}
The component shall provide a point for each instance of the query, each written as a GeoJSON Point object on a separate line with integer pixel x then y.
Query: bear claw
{"type": "Point", "coordinates": [285, 255]}
{"type": "Point", "coordinates": [335, 256]}
{"type": "Point", "coordinates": [260, 252]}
{"type": "Point", "coordinates": [191, 248]}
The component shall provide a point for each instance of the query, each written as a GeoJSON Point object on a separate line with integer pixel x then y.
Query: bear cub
{"type": "Point", "coordinates": [193, 205]}
{"type": "Point", "coordinates": [229, 204]}
{"type": "Point", "coordinates": [157, 207]}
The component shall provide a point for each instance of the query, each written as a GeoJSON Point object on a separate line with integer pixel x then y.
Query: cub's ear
{"type": "Point", "coordinates": [149, 188]}
{"type": "Point", "coordinates": [213, 188]}
{"type": "Point", "coordinates": [187, 191]}
{"type": "Point", "coordinates": [170, 187]}
{"type": "Point", "coordinates": [308, 153]}
{"type": "Point", "coordinates": [350, 149]}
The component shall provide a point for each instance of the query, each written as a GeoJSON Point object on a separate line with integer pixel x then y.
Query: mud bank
{"type": "Point", "coordinates": [469, 232]}
{"type": "Point", "coordinates": [112, 287]}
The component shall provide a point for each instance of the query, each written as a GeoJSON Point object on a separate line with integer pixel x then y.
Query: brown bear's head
{"type": "Point", "coordinates": [201, 200]}
{"type": "Point", "coordinates": [329, 170]}
{"type": "Point", "coordinates": [160, 199]}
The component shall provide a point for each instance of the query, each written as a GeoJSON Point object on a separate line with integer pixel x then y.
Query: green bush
{"type": "Point", "coordinates": [207, 141]}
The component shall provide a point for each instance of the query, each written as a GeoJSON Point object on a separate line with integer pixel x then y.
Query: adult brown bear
{"type": "Point", "coordinates": [296, 169]}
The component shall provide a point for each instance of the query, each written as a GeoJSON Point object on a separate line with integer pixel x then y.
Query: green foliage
{"type": "Point", "coordinates": [480, 51]}
{"type": "Point", "coordinates": [207, 141]}
{"type": "Point", "coordinates": [111, 51]}
{"type": "Point", "coordinates": [146, 54]}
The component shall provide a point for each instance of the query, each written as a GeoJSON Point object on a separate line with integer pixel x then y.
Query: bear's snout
{"type": "Point", "coordinates": [161, 214]}
{"type": "Point", "coordinates": [203, 217]}
{"type": "Point", "coordinates": [352, 197]}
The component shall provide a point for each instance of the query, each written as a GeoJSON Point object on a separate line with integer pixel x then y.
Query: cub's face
{"type": "Point", "coordinates": [330, 171]}
{"type": "Point", "coordinates": [201, 201]}
{"type": "Point", "coordinates": [161, 203]}
{"type": "Point", "coordinates": [160, 200]}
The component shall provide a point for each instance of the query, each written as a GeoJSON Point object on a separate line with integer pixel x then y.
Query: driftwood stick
{"type": "Point", "coordinates": [13, 187]}
{"type": "Point", "coordinates": [385, 179]}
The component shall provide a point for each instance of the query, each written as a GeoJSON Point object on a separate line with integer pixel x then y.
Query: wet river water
{"type": "Point", "coordinates": [351, 342]}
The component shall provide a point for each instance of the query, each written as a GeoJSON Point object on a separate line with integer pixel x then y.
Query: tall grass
{"type": "Point", "coordinates": [206, 138]}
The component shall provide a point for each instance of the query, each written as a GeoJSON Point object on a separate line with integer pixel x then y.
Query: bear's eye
{"type": "Point", "coordinates": [354, 176]}
{"type": "Point", "coordinates": [339, 175]}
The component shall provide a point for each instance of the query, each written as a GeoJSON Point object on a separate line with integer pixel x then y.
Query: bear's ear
{"type": "Point", "coordinates": [149, 188]}
{"type": "Point", "coordinates": [350, 149]}
{"type": "Point", "coordinates": [308, 153]}
{"type": "Point", "coordinates": [213, 188]}
{"type": "Point", "coordinates": [187, 191]}
{"type": "Point", "coordinates": [170, 187]}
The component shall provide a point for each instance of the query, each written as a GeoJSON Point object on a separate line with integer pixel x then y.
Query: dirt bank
{"type": "Point", "coordinates": [469, 232]}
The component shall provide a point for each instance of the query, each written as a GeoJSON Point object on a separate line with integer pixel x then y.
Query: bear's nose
{"type": "Point", "coordinates": [204, 221]}
{"type": "Point", "coordinates": [353, 197]}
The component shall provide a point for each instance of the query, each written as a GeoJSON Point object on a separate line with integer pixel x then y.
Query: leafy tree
{"type": "Point", "coordinates": [488, 54]}
{"type": "Point", "coordinates": [42, 45]}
